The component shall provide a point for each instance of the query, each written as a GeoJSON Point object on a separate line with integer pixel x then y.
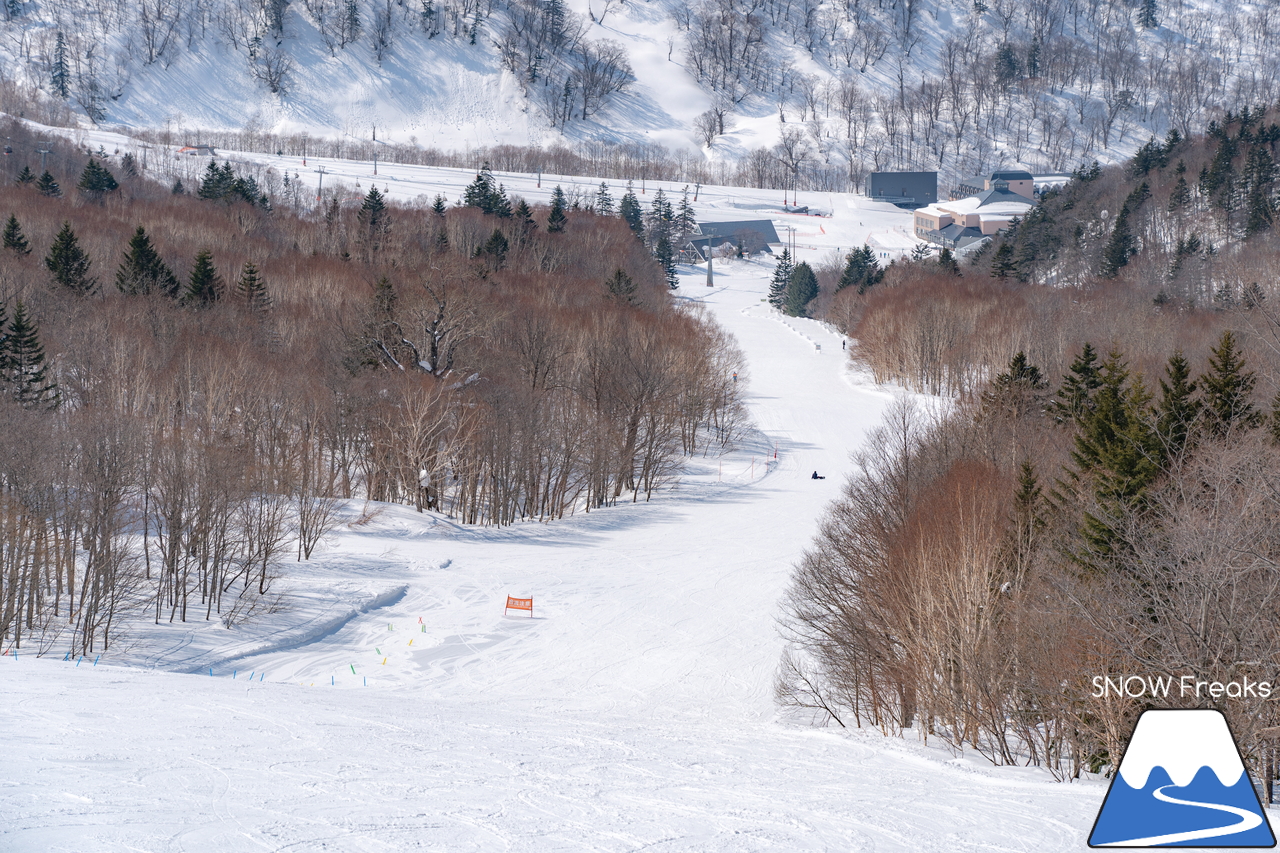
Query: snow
{"type": "Point", "coordinates": [393, 705]}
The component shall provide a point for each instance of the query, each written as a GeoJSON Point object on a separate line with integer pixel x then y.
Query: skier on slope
{"type": "Point", "coordinates": [816, 477]}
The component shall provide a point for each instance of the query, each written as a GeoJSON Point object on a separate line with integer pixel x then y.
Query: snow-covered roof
{"type": "Point", "coordinates": [763, 227]}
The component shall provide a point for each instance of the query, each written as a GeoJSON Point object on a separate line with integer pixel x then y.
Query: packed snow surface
{"type": "Point", "coordinates": [393, 705]}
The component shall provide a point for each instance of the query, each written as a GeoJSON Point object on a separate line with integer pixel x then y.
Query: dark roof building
{"type": "Point", "coordinates": [908, 190]}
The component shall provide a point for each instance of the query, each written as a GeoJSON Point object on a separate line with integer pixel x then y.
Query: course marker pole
{"type": "Point", "coordinates": [77, 662]}
{"type": "Point", "coordinates": [233, 674]}
{"type": "Point", "coordinates": [211, 672]}
{"type": "Point", "coordinates": [353, 669]}
{"type": "Point", "coordinates": [366, 681]}
{"type": "Point", "coordinates": [331, 683]}
{"type": "Point", "coordinates": [95, 660]}
{"type": "Point", "coordinates": [384, 661]}
{"type": "Point", "coordinates": [260, 677]}
{"type": "Point", "coordinates": [411, 642]}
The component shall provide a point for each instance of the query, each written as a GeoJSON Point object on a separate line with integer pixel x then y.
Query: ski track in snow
{"type": "Point", "coordinates": [395, 707]}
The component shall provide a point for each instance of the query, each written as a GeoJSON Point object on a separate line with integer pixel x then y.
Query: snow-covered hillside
{"type": "Point", "coordinates": [953, 85]}
{"type": "Point", "coordinates": [395, 706]}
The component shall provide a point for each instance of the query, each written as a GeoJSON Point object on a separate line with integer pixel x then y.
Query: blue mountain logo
{"type": "Point", "coordinates": [1182, 783]}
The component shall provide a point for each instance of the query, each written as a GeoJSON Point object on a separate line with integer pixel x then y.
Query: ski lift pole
{"type": "Point", "coordinates": [320, 188]}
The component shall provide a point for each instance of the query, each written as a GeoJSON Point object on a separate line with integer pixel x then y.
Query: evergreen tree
{"type": "Point", "coordinates": [1116, 457]}
{"type": "Point", "coordinates": [686, 221]}
{"type": "Point", "coordinates": [1121, 247]}
{"type": "Point", "coordinates": [373, 218]}
{"type": "Point", "coordinates": [26, 176]}
{"type": "Point", "coordinates": [1148, 17]}
{"type": "Point", "coordinates": [14, 238]}
{"type": "Point", "coordinates": [604, 201]}
{"type": "Point", "coordinates": [629, 210]}
{"type": "Point", "coordinates": [661, 218]}
{"type": "Point", "coordinates": [1177, 411]}
{"type": "Point", "coordinates": [48, 186]}
{"type": "Point", "coordinates": [143, 271]}
{"type": "Point", "coordinates": [523, 216]}
{"type": "Point", "coordinates": [60, 73]}
{"type": "Point", "coordinates": [1075, 396]}
{"type": "Point", "coordinates": [1008, 69]}
{"type": "Point", "coordinates": [96, 180]}
{"type": "Point", "coordinates": [861, 270]}
{"type": "Point", "coordinates": [1002, 264]}
{"type": "Point", "coordinates": [947, 262]}
{"type": "Point", "coordinates": [802, 288]}
{"type": "Point", "coordinates": [13, 8]}
{"type": "Point", "coordinates": [1228, 389]}
{"type": "Point", "coordinates": [251, 290]}
{"type": "Point", "coordinates": [500, 205]}
{"type": "Point", "coordinates": [620, 286]}
{"type": "Point", "coordinates": [1180, 196]}
{"type": "Point", "coordinates": [1018, 391]}
{"type": "Point", "coordinates": [781, 276]}
{"type": "Point", "coordinates": [204, 286]}
{"type": "Point", "coordinates": [68, 262]}
{"type": "Point", "coordinates": [666, 259]}
{"type": "Point", "coordinates": [1262, 177]}
{"type": "Point", "coordinates": [178, 188]}
{"type": "Point", "coordinates": [494, 250]}
{"type": "Point", "coordinates": [350, 22]}
{"type": "Point", "coordinates": [556, 219]}
{"type": "Point", "coordinates": [129, 165]}
{"type": "Point", "coordinates": [26, 373]}
{"type": "Point", "coordinates": [480, 192]}
{"type": "Point", "coordinates": [437, 205]}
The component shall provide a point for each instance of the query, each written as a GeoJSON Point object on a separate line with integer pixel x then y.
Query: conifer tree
{"type": "Point", "coordinates": [1002, 264]}
{"type": "Point", "coordinates": [1148, 18]}
{"type": "Point", "coordinates": [48, 186]}
{"type": "Point", "coordinates": [1116, 457]}
{"type": "Point", "coordinates": [494, 250]}
{"type": "Point", "coordinates": [204, 286]}
{"type": "Point", "coordinates": [781, 276]}
{"type": "Point", "coordinates": [629, 210]}
{"type": "Point", "coordinates": [26, 373]}
{"type": "Point", "coordinates": [437, 205]}
{"type": "Point", "coordinates": [373, 218]}
{"type": "Point", "coordinates": [1017, 391]}
{"type": "Point", "coordinates": [556, 218]}
{"type": "Point", "coordinates": [96, 181]}
{"type": "Point", "coordinates": [686, 221]}
{"type": "Point", "coordinates": [1178, 410]}
{"type": "Point", "coordinates": [802, 288]}
{"type": "Point", "coordinates": [500, 205]}
{"type": "Point", "coordinates": [14, 238]}
{"type": "Point", "coordinates": [69, 263]}
{"type": "Point", "coordinates": [1228, 389]}
{"type": "Point", "coordinates": [480, 192]}
{"type": "Point", "coordinates": [1120, 247]}
{"type": "Point", "coordinates": [178, 188]}
{"type": "Point", "coordinates": [143, 271]}
{"type": "Point", "coordinates": [1075, 396]}
{"type": "Point", "coordinates": [129, 165]}
{"type": "Point", "coordinates": [604, 201]}
{"type": "Point", "coordinates": [621, 286]}
{"type": "Point", "coordinates": [525, 223]}
{"type": "Point", "coordinates": [861, 270]}
{"type": "Point", "coordinates": [947, 261]}
{"type": "Point", "coordinates": [60, 73]}
{"type": "Point", "coordinates": [1180, 196]}
{"type": "Point", "coordinates": [667, 259]}
{"type": "Point", "coordinates": [26, 176]}
{"type": "Point", "coordinates": [251, 290]}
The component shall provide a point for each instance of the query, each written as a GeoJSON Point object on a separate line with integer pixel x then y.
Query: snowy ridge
{"type": "Point", "coordinates": [1181, 742]}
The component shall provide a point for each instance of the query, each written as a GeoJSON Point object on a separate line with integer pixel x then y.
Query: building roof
{"type": "Point", "coordinates": [701, 243]}
{"type": "Point", "coordinates": [763, 227]}
{"type": "Point", "coordinates": [1013, 175]}
{"type": "Point", "coordinates": [1002, 196]}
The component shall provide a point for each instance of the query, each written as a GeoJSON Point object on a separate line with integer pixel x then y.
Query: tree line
{"type": "Point", "coordinates": [226, 373]}
{"type": "Point", "coordinates": [1096, 498]}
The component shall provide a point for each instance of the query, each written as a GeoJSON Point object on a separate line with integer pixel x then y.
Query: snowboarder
{"type": "Point", "coordinates": [816, 477]}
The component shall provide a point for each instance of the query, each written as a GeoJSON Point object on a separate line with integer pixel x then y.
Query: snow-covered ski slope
{"type": "Point", "coordinates": [395, 707]}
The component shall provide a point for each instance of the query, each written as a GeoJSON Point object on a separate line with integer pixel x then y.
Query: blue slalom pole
{"type": "Point", "coordinates": [77, 662]}
{"type": "Point", "coordinates": [95, 660]}
{"type": "Point", "coordinates": [211, 672]}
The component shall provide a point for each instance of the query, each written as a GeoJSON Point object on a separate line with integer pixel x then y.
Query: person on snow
{"type": "Point", "coordinates": [816, 477]}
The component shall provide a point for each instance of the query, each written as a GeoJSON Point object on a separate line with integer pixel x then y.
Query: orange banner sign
{"type": "Point", "coordinates": [519, 604]}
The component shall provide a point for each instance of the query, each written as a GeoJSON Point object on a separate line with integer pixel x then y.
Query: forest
{"type": "Point", "coordinates": [1094, 494]}
{"type": "Point", "coordinates": [194, 377]}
